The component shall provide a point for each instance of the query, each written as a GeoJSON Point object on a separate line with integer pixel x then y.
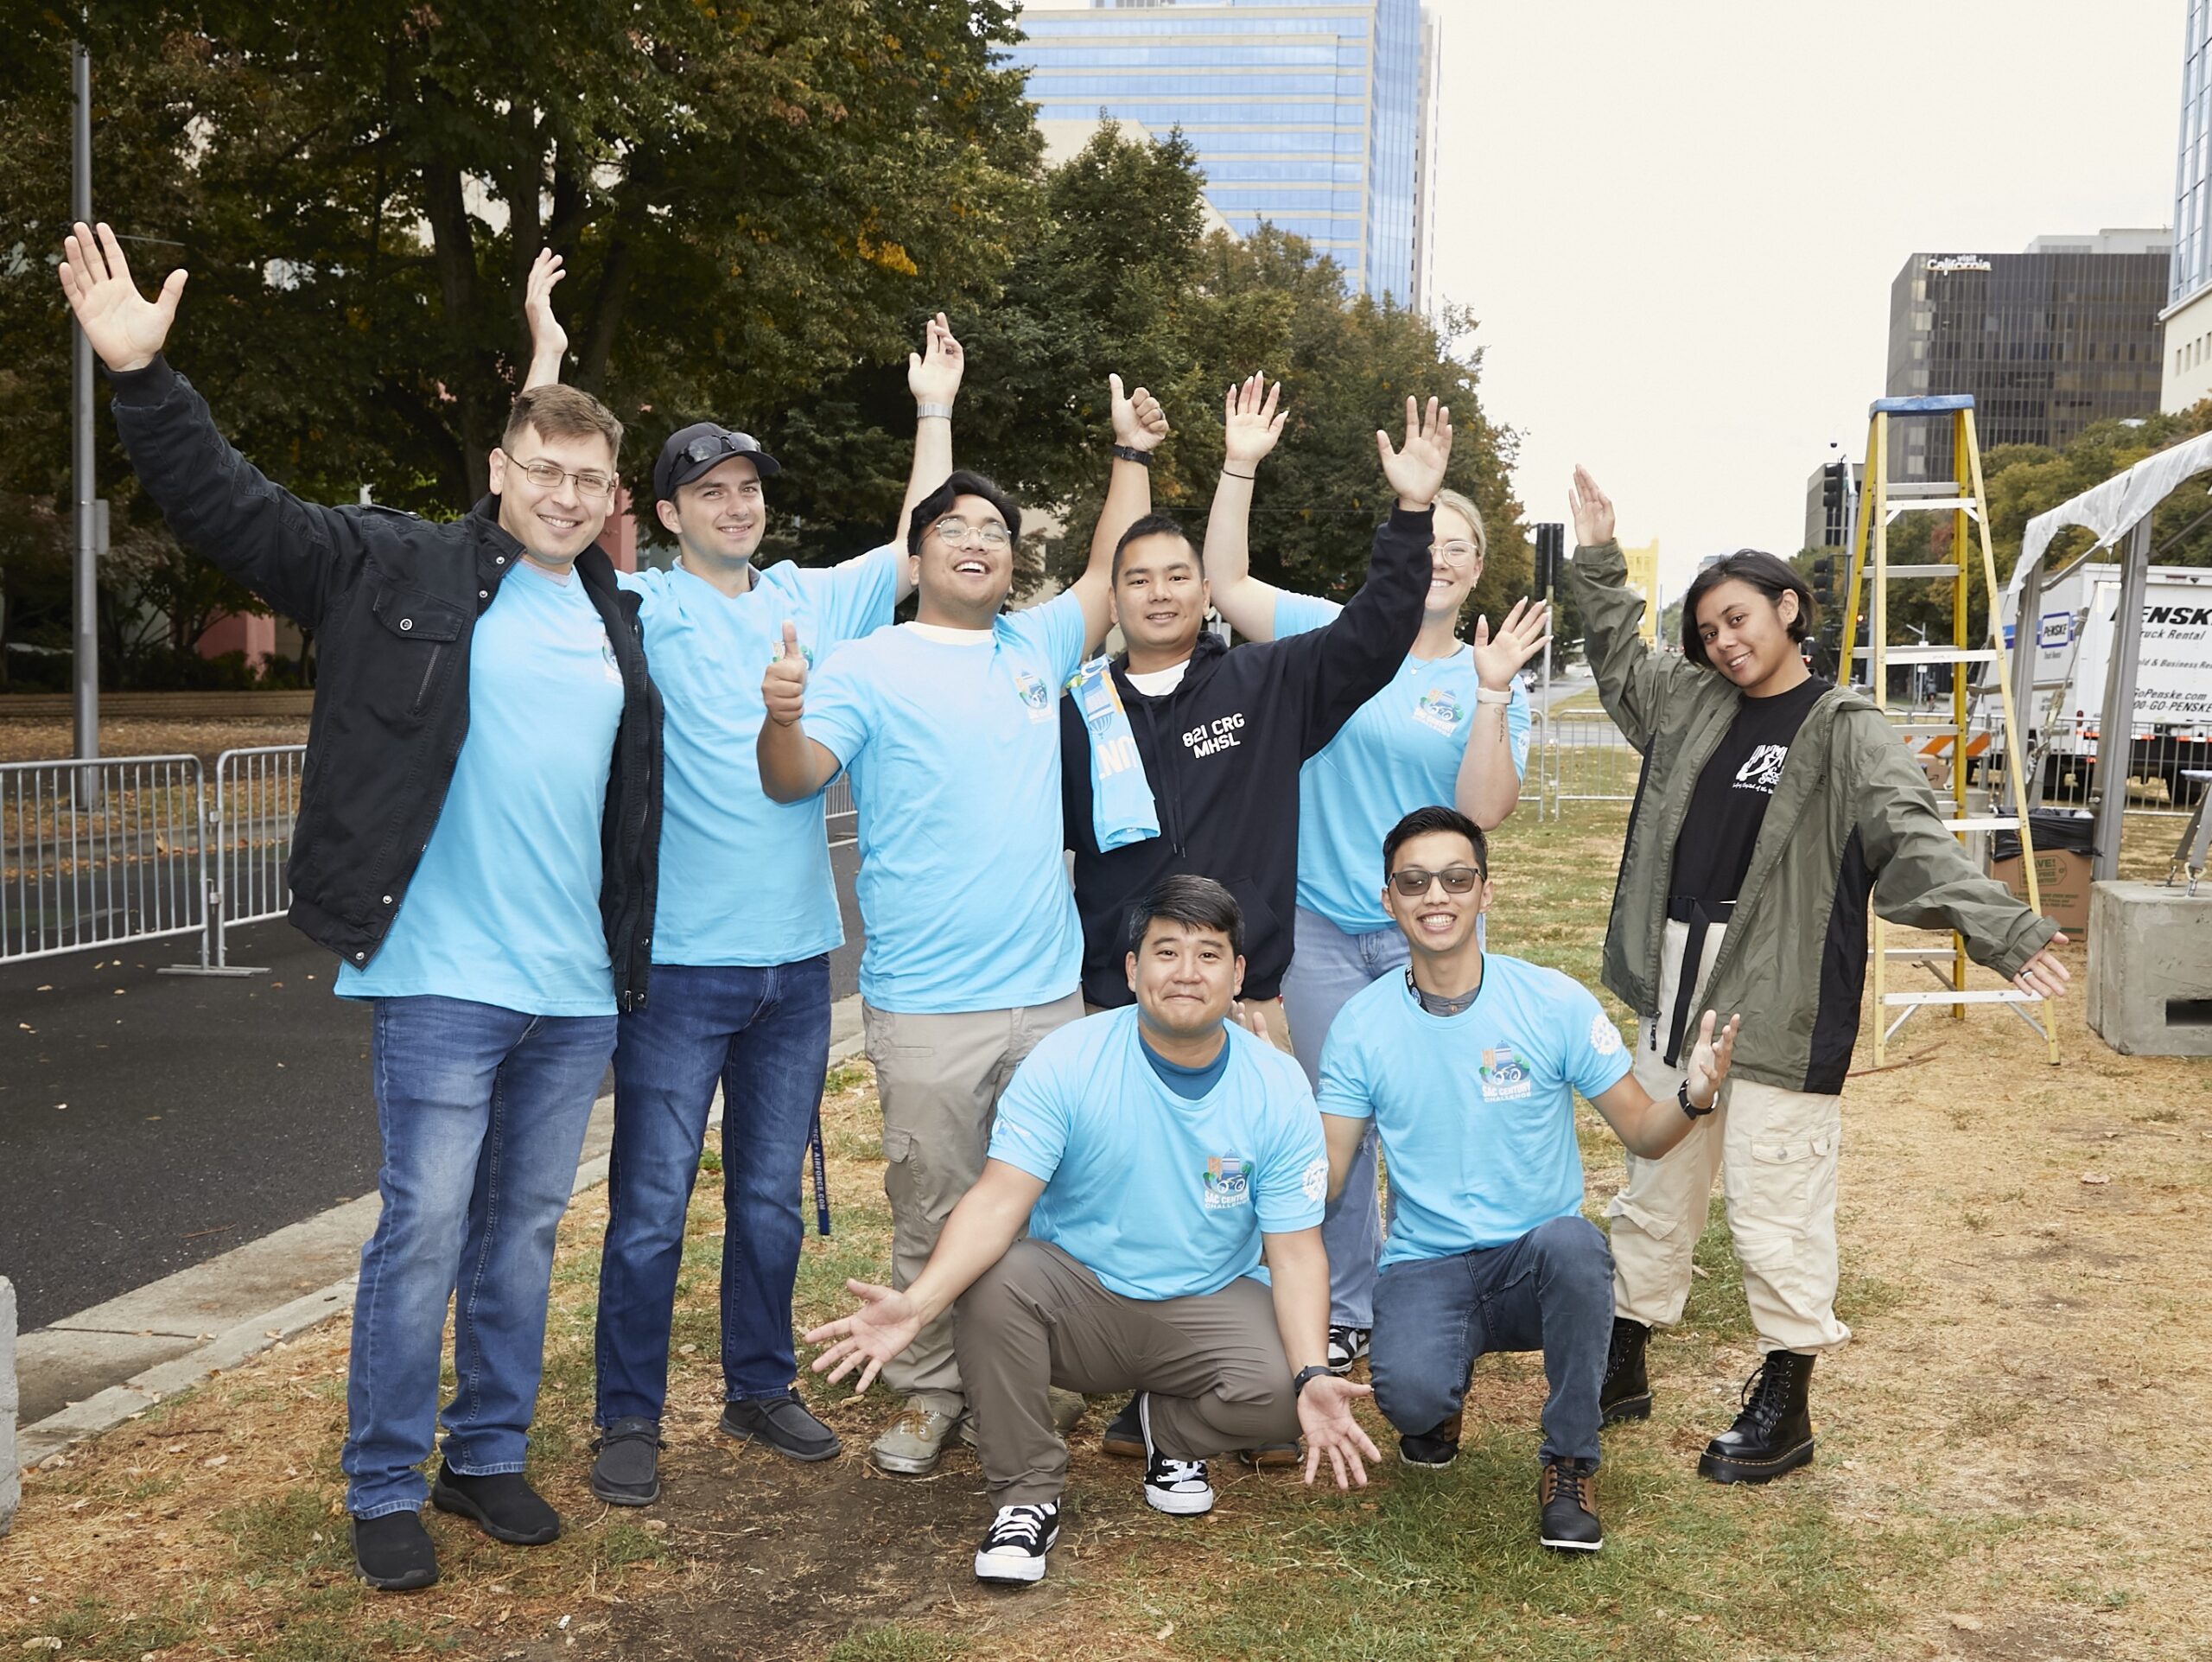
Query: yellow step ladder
{"type": "Point", "coordinates": [1882, 501]}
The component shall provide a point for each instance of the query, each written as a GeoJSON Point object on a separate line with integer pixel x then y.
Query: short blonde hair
{"type": "Point", "coordinates": [1466, 510]}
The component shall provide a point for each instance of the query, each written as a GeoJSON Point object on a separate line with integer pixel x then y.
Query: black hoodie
{"type": "Point", "coordinates": [1222, 752]}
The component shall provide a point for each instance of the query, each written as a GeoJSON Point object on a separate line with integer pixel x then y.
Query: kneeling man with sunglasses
{"type": "Point", "coordinates": [1151, 1151]}
{"type": "Point", "coordinates": [1468, 1066]}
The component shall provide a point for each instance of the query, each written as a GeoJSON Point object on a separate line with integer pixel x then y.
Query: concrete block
{"type": "Point", "coordinates": [11, 1482]}
{"type": "Point", "coordinates": [2150, 992]}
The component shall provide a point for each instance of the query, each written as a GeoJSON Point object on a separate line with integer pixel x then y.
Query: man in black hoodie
{"type": "Point", "coordinates": [1220, 731]}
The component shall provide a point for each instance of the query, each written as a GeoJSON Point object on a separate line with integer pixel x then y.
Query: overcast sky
{"type": "Point", "coordinates": [1662, 215]}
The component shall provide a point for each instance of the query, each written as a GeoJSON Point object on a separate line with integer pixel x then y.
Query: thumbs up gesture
{"type": "Point", "coordinates": [783, 689]}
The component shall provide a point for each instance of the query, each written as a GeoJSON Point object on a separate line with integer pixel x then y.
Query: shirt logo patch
{"type": "Point", "coordinates": [1036, 696]}
{"type": "Point", "coordinates": [1438, 710]}
{"type": "Point", "coordinates": [1314, 1185]}
{"type": "Point", "coordinates": [1504, 1078]}
{"type": "Point", "coordinates": [610, 669]}
{"type": "Point", "coordinates": [1604, 1037]}
{"type": "Point", "coordinates": [1228, 1184]}
{"type": "Point", "coordinates": [1762, 771]}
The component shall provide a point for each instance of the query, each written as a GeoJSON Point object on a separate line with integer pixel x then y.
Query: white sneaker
{"type": "Point", "coordinates": [1179, 1487]}
{"type": "Point", "coordinates": [1020, 1537]}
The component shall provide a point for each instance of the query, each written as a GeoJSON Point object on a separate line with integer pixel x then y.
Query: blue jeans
{"type": "Point", "coordinates": [1327, 967]}
{"type": "Point", "coordinates": [764, 1034]}
{"type": "Point", "coordinates": [482, 1111]}
{"type": "Point", "coordinates": [1550, 1290]}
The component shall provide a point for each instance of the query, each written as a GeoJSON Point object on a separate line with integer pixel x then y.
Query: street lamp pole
{"type": "Point", "coordinates": [85, 702]}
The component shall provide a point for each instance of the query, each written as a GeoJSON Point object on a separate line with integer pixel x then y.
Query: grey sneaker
{"type": "Point", "coordinates": [912, 1444]}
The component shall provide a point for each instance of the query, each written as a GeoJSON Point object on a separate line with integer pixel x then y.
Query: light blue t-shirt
{"type": "Point", "coordinates": [1159, 1196]}
{"type": "Point", "coordinates": [1474, 1110]}
{"type": "Point", "coordinates": [1399, 751]}
{"type": "Point", "coordinates": [504, 907]}
{"type": "Point", "coordinates": [743, 878]}
{"type": "Point", "coordinates": [953, 750]}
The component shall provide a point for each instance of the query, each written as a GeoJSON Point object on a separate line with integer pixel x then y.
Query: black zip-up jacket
{"type": "Point", "coordinates": [1222, 753]}
{"type": "Point", "coordinates": [393, 600]}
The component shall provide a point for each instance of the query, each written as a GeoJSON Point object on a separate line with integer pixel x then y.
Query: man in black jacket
{"type": "Point", "coordinates": [1221, 731]}
{"type": "Point", "coordinates": [478, 822]}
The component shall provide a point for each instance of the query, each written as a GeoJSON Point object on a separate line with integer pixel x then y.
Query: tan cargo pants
{"type": "Point", "coordinates": [938, 1078]}
{"type": "Point", "coordinates": [1776, 1151]}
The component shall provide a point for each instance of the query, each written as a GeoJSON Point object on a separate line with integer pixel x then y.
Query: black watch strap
{"type": "Point", "coordinates": [1307, 1375]}
{"type": "Point", "coordinates": [1683, 1096]}
{"type": "Point", "coordinates": [1130, 453]}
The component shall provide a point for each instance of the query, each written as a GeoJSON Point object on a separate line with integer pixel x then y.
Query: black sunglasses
{"type": "Point", "coordinates": [1412, 882]}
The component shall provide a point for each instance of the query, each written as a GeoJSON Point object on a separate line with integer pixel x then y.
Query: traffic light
{"type": "Point", "coordinates": [1823, 581]}
{"type": "Point", "coordinates": [1833, 480]}
{"type": "Point", "coordinates": [1551, 556]}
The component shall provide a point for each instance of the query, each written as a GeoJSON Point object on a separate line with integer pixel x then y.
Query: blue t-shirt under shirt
{"type": "Point", "coordinates": [744, 879]}
{"type": "Point", "coordinates": [953, 750]}
{"type": "Point", "coordinates": [1399, 751]}
{"type": "Point", "coordinates": [1158, 1195]}
{"type": "Point", "coordinates": [504, 907]}
{"type": "Point", "coordinates": [1475, 1111]}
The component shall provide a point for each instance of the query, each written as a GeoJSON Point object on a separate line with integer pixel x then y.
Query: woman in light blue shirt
{"type": "Point", "coordinates": [1451, 727]}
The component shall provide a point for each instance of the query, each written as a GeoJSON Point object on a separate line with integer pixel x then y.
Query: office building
{"type": "Point", "coordinates": [1307, 114]}
{"type": "Point", "coordinates": [2187, 376]}
{"type": "Point", "coordinates": [2047, 340]}
{"type": "Point", "coordinates": [1826, 526]}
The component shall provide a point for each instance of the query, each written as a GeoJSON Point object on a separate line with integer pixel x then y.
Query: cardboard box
{"type": "Point", "coordinates": [2063, 878]}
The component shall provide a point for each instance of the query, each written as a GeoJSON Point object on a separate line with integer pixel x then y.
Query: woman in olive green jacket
{"type": "Point", "coordinates": [1772, 808]}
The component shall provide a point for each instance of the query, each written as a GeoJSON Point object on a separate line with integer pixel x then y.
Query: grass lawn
{"type": "Point", "coordinates": [2006, 1470]}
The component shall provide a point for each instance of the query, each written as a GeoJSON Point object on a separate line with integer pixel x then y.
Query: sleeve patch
{"type": "Point", "coordinates": [1315, 1183]}
{"type": "Point", "coordinates": [1604, 1037]}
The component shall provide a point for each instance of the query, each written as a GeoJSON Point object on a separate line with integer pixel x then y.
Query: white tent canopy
{"type": "Point", "coordinates": [2110, 509]}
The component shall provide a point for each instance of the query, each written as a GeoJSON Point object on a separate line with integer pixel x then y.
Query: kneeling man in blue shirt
{"type": "Point", "coordinates": [1151, 1151]}
{"type": "Point", "coordinates": [1464, 1064]}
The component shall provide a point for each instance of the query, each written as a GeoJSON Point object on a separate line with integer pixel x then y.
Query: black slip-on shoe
{"type": "Point", "coordinates": [627, 1471]}
{"type": "Point", "coordinates": [1124, 1435]}
{"type": "Point", "coordinates": [782, 1423]}
{"type": "Point", "coordinates": [394, 1553]}
{"type": "Point", "coordinates": [501, 1503]}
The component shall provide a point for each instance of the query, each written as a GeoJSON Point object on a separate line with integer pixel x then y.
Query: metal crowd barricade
{"type": "Point", "coordinates": [1585, 759]}
{"type": "Point", "coordinates": [99, 853]}
{"type": "Point", "coordinates": [257, 800]}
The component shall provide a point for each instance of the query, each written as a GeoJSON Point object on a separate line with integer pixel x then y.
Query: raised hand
{"type": "Point", "coordinates": [783, 689]}
{"type": "Point", "coordinates": [933, 373]}
{"type": "Point", "coordinates": [1139, 422]}
{"type": "Point", "coordinates": [1499, 657]}
{"type": "Point", "coordinates": [1415, 469]}
{"type": "Point", "coordinates": [1709, 1060]}
{"type": "Point", "coordinates": [1325, 1416]}
{"type": "Point", "coordinates": [1250, 423]}
{"type": "Point", "coordinates": [1592, 511]}
{"type": "Point", "coordinates": [885, 1324]}
{"type": "Point", "coordinates": [126, 330]}
{"type": "Point", "coordinates": [547, 337]}
{"type": "Point", "coordinates": [2044, 975]}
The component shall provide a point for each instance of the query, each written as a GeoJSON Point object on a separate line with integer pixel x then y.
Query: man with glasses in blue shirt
{"type": "Point", "coordinates": [741, 991]}
{"type": "Point", "coordinates": [1467, 1065]}
{"type": "Point", "coordinates": [950, 729]}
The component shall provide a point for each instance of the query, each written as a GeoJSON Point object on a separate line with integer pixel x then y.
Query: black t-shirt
{"type": "Point", "coordinates": [1729, 804]}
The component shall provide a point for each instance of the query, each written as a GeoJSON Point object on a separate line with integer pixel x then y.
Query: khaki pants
{"type": "Point", "coordinates": [1777, 1152]}
{"type": "Point", "coordinates": [938, 1078]}
{"type": "Point", "coordinates": [1039, 1318]}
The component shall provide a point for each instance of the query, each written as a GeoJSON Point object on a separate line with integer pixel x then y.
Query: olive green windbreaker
{"type": "Point", "coordinates": [1852, 817]}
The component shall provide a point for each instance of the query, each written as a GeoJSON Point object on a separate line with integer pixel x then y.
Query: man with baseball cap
{"type": "Point", "coordinates": [741, 966]}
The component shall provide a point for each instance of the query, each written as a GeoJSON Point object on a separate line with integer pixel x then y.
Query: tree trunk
{"type": "Point", "coordinates": [454, 250]}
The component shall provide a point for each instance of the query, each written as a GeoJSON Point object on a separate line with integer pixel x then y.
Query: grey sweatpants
{"type": "Point", "coordinates": [1037, 1318]}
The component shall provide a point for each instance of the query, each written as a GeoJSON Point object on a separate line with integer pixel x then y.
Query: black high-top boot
{"type": "Point", "coordinates": [1626, 1394]}
{"type": "Point", "coordinates": [1774, 1433]}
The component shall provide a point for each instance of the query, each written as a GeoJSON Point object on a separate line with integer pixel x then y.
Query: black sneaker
{"type": "Point", "coordinates": [1178, 1487]}
{"type": "Point", "coordinates": [1124, 1435]}
{"type": "Point", "coordinates": [393, 1552]}
{"type": "Point", "coordinates": [1566, 1506]}
{"type": "Point", "coordinates": [1438, 1446]}
{"type": "Point", "coordinates": [782, 1423]}
{"type": "Point", "coordinates": [1625, 1393]}
{"type": "Point", "coordinates": [1347, 1346]}
{"type": "Point", "coordinates": [501, 1503]}
{"type": "Point", "coordinates": [627, 1471]}
{"type": "Point", "coordinates": [1020, 1537]}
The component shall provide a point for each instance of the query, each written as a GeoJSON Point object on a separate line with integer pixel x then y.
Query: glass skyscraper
{"type": "Point", "coordinates": [1305, 113]}
{"type": "Point", "coordinates": [2188, 315]}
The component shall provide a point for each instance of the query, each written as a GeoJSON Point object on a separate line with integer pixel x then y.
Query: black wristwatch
{"type": "Point", "coordinates": [1306, 1375]}
{"type": "Point", "coordinates": [1130, 453]}
{"type": "Point", "coordinates": [1683, 1096]}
